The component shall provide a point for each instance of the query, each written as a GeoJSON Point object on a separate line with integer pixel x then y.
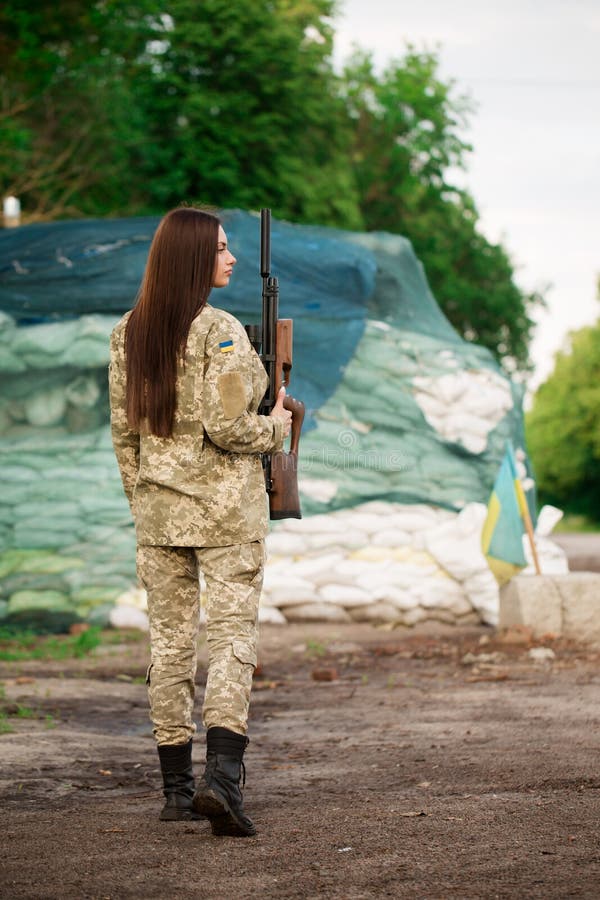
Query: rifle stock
{"type": "Point", "coordinates": [284, 499]}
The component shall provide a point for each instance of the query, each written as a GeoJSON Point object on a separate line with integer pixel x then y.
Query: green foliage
{"type": "Point", "coordinates": [20, 646]}
{"type": "Point", "coordinates": [125, 108]}
{"type": "Point", "coordinates": [68, 112]}
{"type": "Point", "coordinates": [5, 726]}
{"type": "Point", "coordinates": [574, 523]}
{"type": "Point", "coordinates": [315, 648]}
{"type": "Point", "coordinates": [563, 427]}
{"type": "Point", "coordinates": [114, 107]}
{"type": "Point", "coordinates": [407, 140]}
{"type": "Point", "coordinates": [243, 105]}
{"type": "Point", "coordinates": [12, 709]}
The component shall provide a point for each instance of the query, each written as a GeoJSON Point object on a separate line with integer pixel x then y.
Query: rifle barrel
{"type": "Point", "coordinates": [265, 242]}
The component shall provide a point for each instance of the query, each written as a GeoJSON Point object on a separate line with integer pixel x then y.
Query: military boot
{"type": "Point", "coordinates": [178, 782]}
{"type": "Point", "coordinates": [219, 797]}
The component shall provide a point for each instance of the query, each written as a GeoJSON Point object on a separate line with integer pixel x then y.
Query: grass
{"type": "Point", "coordinates": [20, 712]}
{"type": "Point", "coordinates": [5, 726]}
{"type": "Point", "coordinates": [315, 648]}
{"type": "Point", "coordinates": [21, 646]}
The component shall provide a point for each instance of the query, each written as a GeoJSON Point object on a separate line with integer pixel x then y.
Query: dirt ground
{"type": "Point", "coordinates": [435, 763]}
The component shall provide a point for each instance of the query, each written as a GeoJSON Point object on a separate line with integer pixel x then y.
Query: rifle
{"type": "Point", "coordinates": [273, 341]}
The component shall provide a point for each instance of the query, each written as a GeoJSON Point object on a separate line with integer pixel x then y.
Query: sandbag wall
{"type": "Point", "coordinates": [406, 427]}
{"type": "Point", "coordinates": [66, 537]}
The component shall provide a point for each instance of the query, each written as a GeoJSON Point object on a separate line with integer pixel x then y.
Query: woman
{"type": "Point", "coordinates": [185, 385]}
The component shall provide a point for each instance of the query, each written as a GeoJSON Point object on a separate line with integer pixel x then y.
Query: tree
{"type": "Point", "coordinates": [125, 107]}
{"type": "Point", "coordinates": [408, 127]}
{"type": "Point", "coordinates": [244, 109]}
{"type": "Point", "coordinates": [67, 116]}
{"type": "Point", "coordinates": [563, 427]}
{"type": "Point", "coordinates": [119, 107]}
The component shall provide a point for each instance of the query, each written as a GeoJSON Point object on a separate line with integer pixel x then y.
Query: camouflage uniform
{"type": "Point", "coordinates": [198, 502]}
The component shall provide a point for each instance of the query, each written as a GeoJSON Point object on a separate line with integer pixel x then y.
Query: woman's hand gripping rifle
{"type": "Point", "coordinates": [273, 340]}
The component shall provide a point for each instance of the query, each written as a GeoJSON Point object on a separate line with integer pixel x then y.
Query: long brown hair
{"type": "Point", "coordinates": [176, 284]}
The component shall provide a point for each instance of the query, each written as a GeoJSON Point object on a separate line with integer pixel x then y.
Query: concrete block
{"type": "Point", "coordinates": [581, 605]}
{"type": "Point", "coordinates": [533, 601]}
{"type": "Point", "coordinates": [566, 605]}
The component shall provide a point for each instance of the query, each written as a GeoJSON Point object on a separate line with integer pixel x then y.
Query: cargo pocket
{"type": "Point", "coordinates": [244, 653]}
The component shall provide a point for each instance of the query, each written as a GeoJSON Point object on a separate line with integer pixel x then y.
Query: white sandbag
{"type": "Point", "coordinates": [460, 430]}
{"type": "Point", "coordinates": [317, 612]}
{"type": "Point", "coordinates": [481, 588]}
{"type": "Point", "coordinates": [375, 612]}
{"type": "Point", "coordinates": [313, 524]}
{"type": "Point", "coordinates": [480, 399]}
{"type": "Point", "coordinates": [412, 521]}
{"type": "Point", "coordinates": [548, 518]}
{"type": "Point", "coordinates": [83, 392]}
{"type": "Point", "coordinates": [440, 592]}
{"type": "Point", "coordinates": [45, 407]}
{"type": "Point", "coordinates": [466, 424]}
{"type": "Point", "coordinates": [312, 566]}
{"type": "Point", "coordinates": [129, 617]}
{"type": "Point", "coordinates": [372, 554]}
{"type": "Point", "coordinates": [275, 578]}
{"type": "Point", "coordinates": [450, 388]}
{"type": "Point", "coordinates": [285, 544]}
{"type": "Point", "coordinates": [269, 615]}
{"type": "Point", "coordinates": [367, 523]}
{"type": "Point", "coordinates": [552, 558]}
{"type": "Point", "coordinates": [351, 569]}
{"type": "Point", "coordinates": [391, 537]}
{"type": "Point", "coordinates": [283, 596]}
{"type": "Point", "coordinates": [343, 595]}
{"type": "Point", "coordinates": [412, 556]}
{"type": "Point", "coordinates": [413, 616]}
{"type": "Point", "coordinates": [407, 573]}
{"type": "Point", "coordinates": [318, 489]}
{"type": "Point", "coordinates": [351, 540]}
{"type": "Point", "coordinates": [433, 409]}
{"type": "Point", "coordinates": [461, 605]}
{"type": "Point", "coordinates": [134, 596]}
{"type": "Point", "coordinates": [456, 545]}
{"type": "Point", "coordinates": [401, 598]}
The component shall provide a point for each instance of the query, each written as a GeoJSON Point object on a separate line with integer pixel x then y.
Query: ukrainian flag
{"type": "Point", "coordinates": [502, 535]}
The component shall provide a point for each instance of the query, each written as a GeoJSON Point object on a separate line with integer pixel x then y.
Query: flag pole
{"type": "Point", "coordinates": [528, 524]}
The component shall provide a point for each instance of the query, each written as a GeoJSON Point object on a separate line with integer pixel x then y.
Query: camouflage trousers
{"type": "Point", "coordinates": [233, 578]}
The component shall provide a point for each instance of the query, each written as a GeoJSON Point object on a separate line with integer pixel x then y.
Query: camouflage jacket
{"type": "Point", "coordinates": [204, 487]}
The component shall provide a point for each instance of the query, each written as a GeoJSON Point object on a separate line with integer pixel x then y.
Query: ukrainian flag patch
{"type": "Point", "coordinates": [226, 346]}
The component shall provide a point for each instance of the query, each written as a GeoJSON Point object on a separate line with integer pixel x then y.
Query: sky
{"type": "Point", "coordinates": [532, 68]}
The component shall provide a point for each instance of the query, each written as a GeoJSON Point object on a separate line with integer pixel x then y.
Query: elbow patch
{"type": "Point", "coordinates": [232, 391]}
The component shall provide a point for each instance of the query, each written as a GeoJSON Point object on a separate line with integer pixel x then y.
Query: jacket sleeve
{"type": "Point", "coordinates": [125, 441]}
{"type": "Point", "coordinates": [228, 394]}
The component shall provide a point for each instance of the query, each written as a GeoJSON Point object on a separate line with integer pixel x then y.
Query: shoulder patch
{"type": "Point", "coordinates": [233, 394]}
{"type": "Point", "coordinates": [226, 346]}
